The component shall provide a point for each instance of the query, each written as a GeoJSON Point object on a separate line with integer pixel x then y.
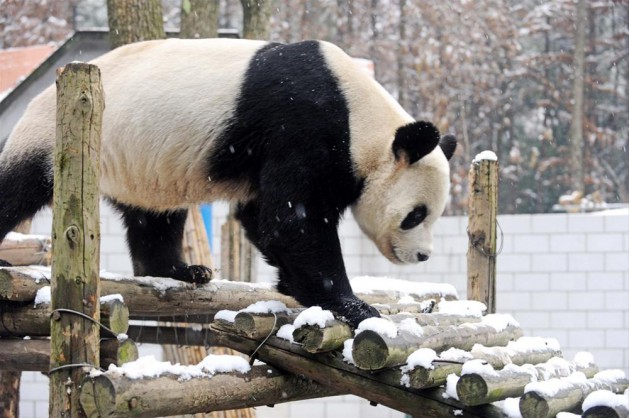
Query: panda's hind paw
{"type": "Point", "coordinates": [193, 274]}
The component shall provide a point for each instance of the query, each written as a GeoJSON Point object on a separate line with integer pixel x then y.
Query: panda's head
{"type": "Point", "coordinates": [407, 192]}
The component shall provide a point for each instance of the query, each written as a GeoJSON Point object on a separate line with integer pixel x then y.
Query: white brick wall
{"type": "Point", "coordinates": [562, 276]}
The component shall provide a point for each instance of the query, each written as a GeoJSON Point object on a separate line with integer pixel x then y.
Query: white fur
{"type": "Point", "coordinates": [392, 188]}
{"type": "Point", "coordinates": [162, 164]}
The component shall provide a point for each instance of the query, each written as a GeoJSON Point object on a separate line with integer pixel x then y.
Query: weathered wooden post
{"type": "Point", "coordinates": [482, 210]}
{"type": "Point", "coordinates": [75, 235]}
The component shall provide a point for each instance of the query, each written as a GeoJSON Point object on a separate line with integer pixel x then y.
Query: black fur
{"type": "Point", "coordinates": [289, 138]}
{"type": "Point", "coordinates": [415, 140]}
{"type": "Point", "coordinates": [155, 242]}
{"type": "Point", "coordinates": [448, 145]}
{"type": "Point", "coordinates": [25, 187]}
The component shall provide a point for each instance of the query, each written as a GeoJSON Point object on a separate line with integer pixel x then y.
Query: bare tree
{"type": "Point", "coordinates": [576, 127]}
{"type": "Point", "coordinates": [256, 19]}
{"type": "Point", "coordinates": [199, 19]}
{"type": "Point", "coordinates": [134, 21]}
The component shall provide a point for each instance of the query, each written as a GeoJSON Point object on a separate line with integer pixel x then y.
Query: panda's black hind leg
{"type": "Point", "coordinates": [25, 187]}
{"type": "Point", "coordinates": [155, 242]}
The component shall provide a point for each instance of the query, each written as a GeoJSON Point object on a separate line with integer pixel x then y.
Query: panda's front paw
{"type": "Point", "coordinates": [353, 310]}
{"type": "Point", "coordinates": [192, 274]}
{"type": "Point", "coordinates": [4, 263]}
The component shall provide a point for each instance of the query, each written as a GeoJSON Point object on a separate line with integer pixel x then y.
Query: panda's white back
{"type": "Point", "coordinates": [165, 103]}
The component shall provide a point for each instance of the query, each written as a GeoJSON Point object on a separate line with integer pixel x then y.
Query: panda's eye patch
{"type": "Point", "coordinates": [414, 218]}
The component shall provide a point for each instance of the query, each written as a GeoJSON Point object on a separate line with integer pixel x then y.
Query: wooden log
{"type": "Point", "coordinates": [179, 336]}
{"type": "Point", "coordinates": [260, 326]}
{"type": "Point", "coordinates": [20, 284]}
{"type": "Point", "coordinates": [331, 370]}
{"type": "Point", "coordinates": [319, 340]}
{"type": "Point", "coordinates": [483, 388]}
{"type": "Point", "coordinates": [75, 232]}
{"type": "Point", "coordinates": [434, 319]}
{"type": "Point", "coordinates": [10, 393]}
{"type": "Point", "coordinates": [618, 411]}
{"type": "Point", "coordinates": [117, 352]}
{"type": "Point", "coordinates": [113, 395]}
{"type": "Point", "coordinates": [372, 351]}
{"type": "Point", "coordinates": [24, 250]}
{"type": "Point", "coordinates": [481, 253]}
{"type": "Point", "coordinates": [34, 355]}
{"type": "Point", "coordinates": [569, 397]}
{"type": "Point", "coordinates": [497, 357]}
{"type": "Point", "coordinates": [19, 320]}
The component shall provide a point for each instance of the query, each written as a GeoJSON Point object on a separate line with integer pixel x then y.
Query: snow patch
{"type": "Point", "coordinates": [583, 359]}
{"type": "Point", "coordinates": [605, 398]}
{"type": "Point", "coordinates": [421, 358]}
{"type": "Point", "coordinates": [499, 322]}
{"type": "Point", "coordinates": [313, 316]}
{"type": "Point", "coordinates": [510, 406]}
{"type": "Point", "coordinates": [347, 351]}
{"type": "Point", "coordinates": [286, 333]}
{"type": "Point", "coordinates": [380, 326]}
{"type": "Point", "coordinates": [226, 315]}
{"type": "Point", "coordinates": [478, 366]}
{"type": "Point", "coordinates": [148, 366]}
{"type": "Point", "coordinates": [612, 375]}
{"type": "Point", "coordinates": [43, 296]}
{"type": "Point", "coordinates": [450, 392]}
{"type": "Point", "coordinates": [462, 307]}
{"type": "Point", "coordinates": [411, 326]}
{"type": "Point", "coordinates": [370, 284]}
{"type": "Point", "coordinates": [267, 307]}
{"type": "Point", "coordinates": [550, 388]}
{"type": "Point", "coordinates": [485, 155]}
{"type": "Point", "coordinates": [111, 298]}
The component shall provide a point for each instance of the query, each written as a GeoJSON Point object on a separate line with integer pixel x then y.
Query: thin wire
{"type": "Point", "coordinates": [482, 250]}
{"type": "Point", "coordinates": [73, 366]}
{"type": "Point", "coordinates": [82, 315]}
{"type": "Point", "coordinates": [252, 357]}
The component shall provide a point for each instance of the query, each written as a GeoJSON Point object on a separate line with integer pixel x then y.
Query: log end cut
{"type": "Point", "coordinates": [472, 389]}
{"type": "Point", "coordinates": [370, 351]}
{"type": "Point", "coordinates": [532, 405]}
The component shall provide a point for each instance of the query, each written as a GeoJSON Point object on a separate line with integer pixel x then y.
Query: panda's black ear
{"type": "Point", "coordinates": [415, 140]}
{"type": "Point", "coordinates": [448, 145]}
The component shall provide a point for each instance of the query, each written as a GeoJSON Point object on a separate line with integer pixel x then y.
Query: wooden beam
{"type": "Point", "coordinates": [76, 234]}
{"type": "Point", "coordinates": [114, 395]}
{"type": "Point", "coordinates": [332, 371]}
{"type": "Point", "coordinates": [34, 355]}
{"type": "Point", "coordinates": [25, 250]}
{"type": "Point", "coordinates": [481, 253]}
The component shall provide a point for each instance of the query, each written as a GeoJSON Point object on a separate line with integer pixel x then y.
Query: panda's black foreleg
{"type": "Point", "coordinates": [155, 242]}
{"type": "Point", "coordinates": [25, 187]}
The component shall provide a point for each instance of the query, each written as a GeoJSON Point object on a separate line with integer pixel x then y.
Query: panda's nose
{"type": "Point", "coordinates": [422, 257]}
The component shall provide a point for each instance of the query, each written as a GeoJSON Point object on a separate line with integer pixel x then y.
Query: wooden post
{"type": "Point", "coordinates": [482, 209]}
{"type": "Point", "coordinates": [237, 253]}
{"type": "Point", "coordinates": [75, 235]}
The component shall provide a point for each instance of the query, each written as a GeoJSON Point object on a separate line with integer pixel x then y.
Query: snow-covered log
{"type": "Point", "coordinates": [34, 355]}
{"type": "Point", "coordinates": [605, 411]}
{"type": "Point", "coordinates": [116, 395]}
{"type": "Point", "coordinates": [526, 350]}
{"type": "Point", "coordinates": [24, 249]}
{"type": "Point", "coordinates": [547, 399]}
{"type": "Point", "coordinates": [373, 350]}
{"type": "Point", "coordinates": [482, 384]}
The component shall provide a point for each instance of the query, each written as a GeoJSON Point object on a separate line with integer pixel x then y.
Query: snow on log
{"type": "Point", "coordinates": [480, 385]}
{"type": "Point", "coordinates": [25, 249]}
{"type": "Point", "coordinates": [34, 355]}
{"type": "Point", "coordinates": [387, 290]}
{"type": "Point", "coordinates": [606, 404]}
{"type": "Point", "coordinates": [374, 350]}
{"type": "Point", "coordinates": [548, 398]}
{"type": "Point", "coordinates": [113, 394]}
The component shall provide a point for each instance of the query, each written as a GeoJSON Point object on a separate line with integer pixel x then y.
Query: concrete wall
{"type": "Point", "coordinates": [562, 276]}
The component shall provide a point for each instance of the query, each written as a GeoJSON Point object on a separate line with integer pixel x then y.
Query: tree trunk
{"type": "Point", "coordinates": [576, 126]}
{"type": "Point", "coordinates": [76, 234]}
{"type": "Point", "coordinates": [134, 21]}
{"type": "Point", "coordinates": [199, 19]}
{"type": "Point", "coordinates": [256, 19]}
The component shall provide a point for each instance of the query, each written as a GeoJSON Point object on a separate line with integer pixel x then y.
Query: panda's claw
{"type": "Point", "coordinates": [196, 274]}
{"type": "Point", "coordinates": [353, 310]}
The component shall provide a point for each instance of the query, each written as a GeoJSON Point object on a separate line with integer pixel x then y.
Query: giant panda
{"type": "Point", "coordinates": [294, 133]}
